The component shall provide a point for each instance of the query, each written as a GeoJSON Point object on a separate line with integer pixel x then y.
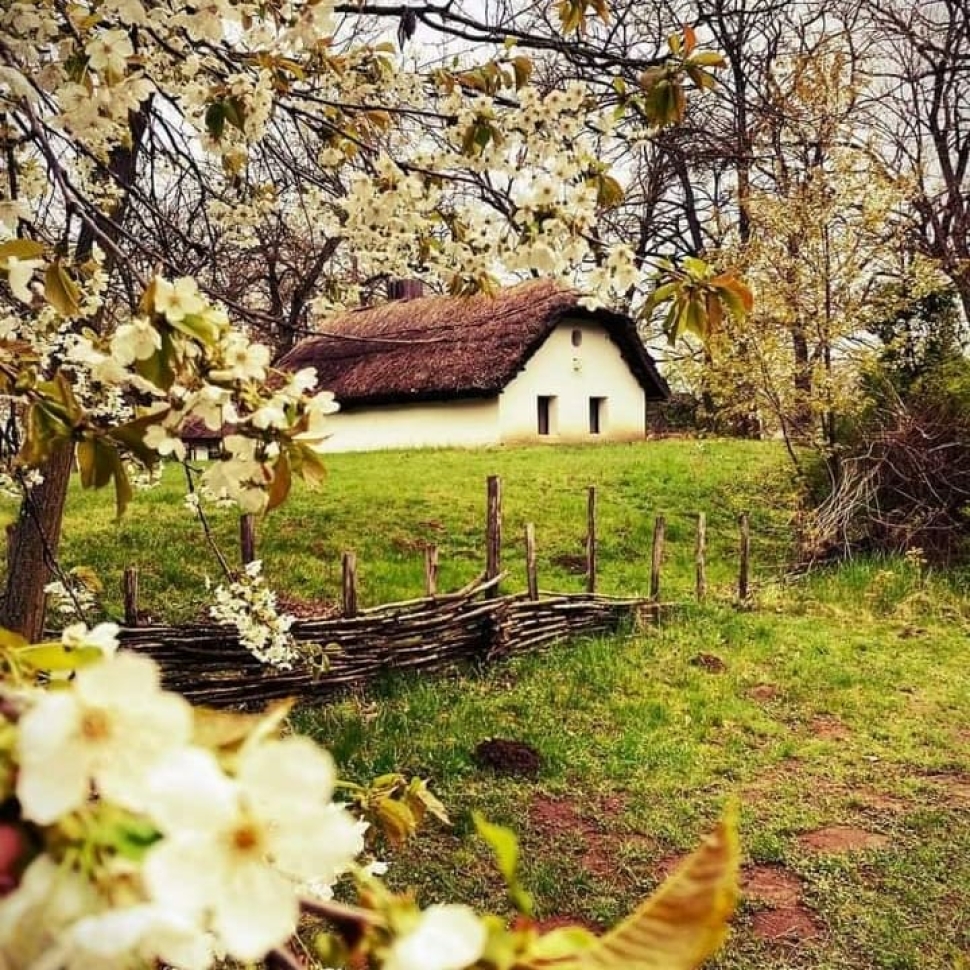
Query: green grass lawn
{"type": "Point", "coordinates": [387, 506]}
{"type": "Point", "coordinates": [836, 707]}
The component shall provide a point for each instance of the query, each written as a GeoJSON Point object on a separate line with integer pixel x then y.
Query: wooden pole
{"type": "Point", "coordinates": [700, 553]}
{"type": "Point", "coordinates": [493, 532]}
{"type": "Point", "coordinates": [591, 539]}
{"type": "Point", "coordinates": [247, 538]}
{"type": "Point", "coordinates": [431, 569]}
{"type": "Point", "coordinates": [129, 590]}
{"type": "Point", "coordinates": [656, 559]}
{"type": "Point", "coordinates": [350, 584]}
{"type": "Point", "coordinates": [744, 567]}
{"type": "Point", "coordinates": [531, 573]}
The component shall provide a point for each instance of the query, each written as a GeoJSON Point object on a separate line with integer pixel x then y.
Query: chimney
{"type": "Point", "coordinates": [405, 289]}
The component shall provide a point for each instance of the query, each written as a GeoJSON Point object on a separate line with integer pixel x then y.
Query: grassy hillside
{"type": "Point", "coordinates": [835, 707]}
{"type": "Point", "coordinates": [387, 506]}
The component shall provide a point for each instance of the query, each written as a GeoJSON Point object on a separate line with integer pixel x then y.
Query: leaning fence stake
{"type": "Point", "coordinates": [745, 556]}
{"type": "Point", "coordinates": [493, 533]}
{"type": "Point", "coordinates": [129, 589]}
{"type": "Point", "coordinates": [431, 569]}
{"type": "Point", "coordinates": [656, 558]}
{"type": "Point", "coordinates": [700, 553]}
{"type": "Point", "coordinates": [350, 584]}
{"type": "Point", "coordinates": [591, 540]}
{"type": "Point", "coordinates": [247, 538]}
{"type": "Point", "coordinates": [531, 572]}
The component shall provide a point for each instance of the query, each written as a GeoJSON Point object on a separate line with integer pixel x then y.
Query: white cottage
{"type": "Point", "coordinates": [528, 365]}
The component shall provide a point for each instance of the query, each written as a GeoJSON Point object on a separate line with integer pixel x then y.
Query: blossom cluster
{"type": "Point", "coordinates": [250, 605]}
{"type": "Point", "coordinates": [136, 829]}
{"type": "Point", "coordinates": [154, 847]}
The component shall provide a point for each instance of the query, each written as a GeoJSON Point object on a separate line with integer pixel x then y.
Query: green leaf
{"type": "Point", "coordinates": [215, 119]}
{"type": "Point", "coordinates": [308, 464]}
{"type": "Point", "coordinates": [234, 112]}
{"type": "Point", "coordinates": [61, 291]}
{"type": "Point", "coordinates": [21, 249]}
{"type": "Point", "coordinates": [200, 327]}
{"type": "Point", "coordinates": [134, 837]}
{"type": "Point", "coordinates": [505, 847]}
{"type": "Point", "coordinates": [57, 658]}
{"type": "Point", "coordinates": [560, 944]}
{"type": "Point", "coordinates": [160, 367]}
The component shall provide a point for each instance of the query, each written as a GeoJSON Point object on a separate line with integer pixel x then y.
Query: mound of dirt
{"type": "Point", "coordinates": [507, 757]}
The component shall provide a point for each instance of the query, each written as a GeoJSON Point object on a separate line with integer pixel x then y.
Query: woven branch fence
{"type": "Point", "coordinates": [476, 624]}
{"type": "Point", "coordinates": [208, 665]}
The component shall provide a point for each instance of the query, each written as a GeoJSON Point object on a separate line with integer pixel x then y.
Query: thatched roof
{"type": "Point", "coordinates": [438, 347]}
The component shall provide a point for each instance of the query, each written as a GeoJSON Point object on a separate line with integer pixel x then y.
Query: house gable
{"type": "Point", "coordinates": [577, 386]}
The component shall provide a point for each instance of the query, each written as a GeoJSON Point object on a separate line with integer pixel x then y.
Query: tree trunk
{"type": "Point", "coordinates": [32, 543]}
{"type": "Point", "coordinates": [32, 546]}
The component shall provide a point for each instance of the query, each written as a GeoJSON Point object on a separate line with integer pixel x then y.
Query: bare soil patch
{"type": "Point", "coordinates": [836, 839]}
{"type": "Point", "coordinates": [881, 801]}
{"type": "Point", "coordinates": [789, 925]}
{"type": "Point", "coordinates": [774, 886]}
{"type": "Point", "coordinates": [828, 727]}
{"type": "Point", "coordinates": [597, 849]}
{"type": "Point", "coordinates": [764, 692]}
{"type": "Point", "coordinates": [955, 788]}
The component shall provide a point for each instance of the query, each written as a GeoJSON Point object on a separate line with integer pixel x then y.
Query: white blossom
{"type": "Point", "coordinates": [447, 937]}
{"type": "Point", "coordinates": [235, 851]}
{"type": "Point", "coordinates": [107, 732]}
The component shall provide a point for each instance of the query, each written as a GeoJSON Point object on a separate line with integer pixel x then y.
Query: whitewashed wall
{"type": "Point", "coordinates": [573, 375]}
{"type": "Point", "coordinates": [463, 423]}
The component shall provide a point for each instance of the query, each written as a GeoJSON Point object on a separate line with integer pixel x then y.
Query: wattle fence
{"type": "Point", "coordinates": [207, 664]}
{"type": "Point", "coordinates": [437, 632]}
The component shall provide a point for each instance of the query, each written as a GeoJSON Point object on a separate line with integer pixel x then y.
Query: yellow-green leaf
{"type": "Point", "coordinates": [61, 291]}
{"type": "Point", "coordinates": [684, 921]}
{"type": "Point", "coordinates": [395, 820]}
{"type": "Point", "coordinates": [709, 59]}
{"type": "Point", "coordinates": [21, 249]}
{"type": "Point", "coordinates": [57, 658]}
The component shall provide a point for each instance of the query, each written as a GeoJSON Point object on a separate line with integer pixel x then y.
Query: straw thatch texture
{"type": "Point", "coordinates": [438, 347]}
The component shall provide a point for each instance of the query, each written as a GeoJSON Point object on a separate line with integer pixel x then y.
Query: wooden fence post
{"type": "Point", "coordinates": [745, 556]}
{"type": "Point", "coordinates": [493, 532]}
{"type": "Point", "coordinates": [656, 559]}
{"type": "Point", "coordinates": [431, 569]}
{"type": "Point", "coordinates": [129, 590]}
{"type": "Point", "coordinates": [700, 553]}
{"type": "Point", "coordinates": [531, 573]}
{"type": "Point", "coordinates": [247, 538]}
{"type": "Point", "coordinates": [350, 584]}
{"type": "Point", "coordinates": [591, 539]}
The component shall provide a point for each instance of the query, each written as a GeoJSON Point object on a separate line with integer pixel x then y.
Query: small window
{"type": "Point", "coordinates": [577, 337]}
{"type": "Point", "coordinates": [597, 414]}
{"type": "Point", "coordinates": [545, 414]}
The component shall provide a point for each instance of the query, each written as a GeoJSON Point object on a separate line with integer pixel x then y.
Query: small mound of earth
{"type": "Point", "coordinates": [828, 728]}
{"type": "Point", "coordinates": [508, 757]}
{"type": "Point", "coordinates": [763, 692]}
{"type": "Point", "coordinates": [709, 662]}
{"type": "Point", "coordinates": [789, 924]}
{"type": "Point", "coordinates": [574, 564]}
{"type": "Point", "coordinates": [842, 838]}
{"type": "Point", "coordinates": [771, 885]}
